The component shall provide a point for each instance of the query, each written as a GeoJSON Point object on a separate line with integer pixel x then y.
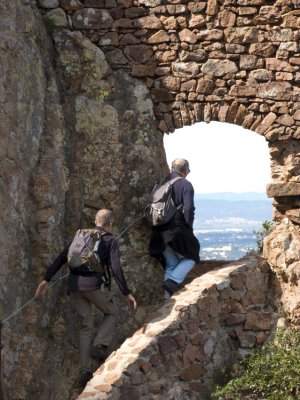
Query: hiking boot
{"type": "Point", "coordinates": [170, 286]}
{"type": "Point", "coordinates": [99, 353]}
{"type": "Point", "coordinates": [84, 378]}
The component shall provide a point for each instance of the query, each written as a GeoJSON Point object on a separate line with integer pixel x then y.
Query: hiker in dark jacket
{"type": "Point", "coordinates": [87, 289]}
{"type": "Point", "coordinates": [174, 243]}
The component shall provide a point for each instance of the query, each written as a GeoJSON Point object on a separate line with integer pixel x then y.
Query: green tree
{"type": "Point", "coordinates": [267, 228]}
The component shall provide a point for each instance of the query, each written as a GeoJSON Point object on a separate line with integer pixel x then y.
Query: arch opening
{"type": "Point", "coordinates": [230, 168]}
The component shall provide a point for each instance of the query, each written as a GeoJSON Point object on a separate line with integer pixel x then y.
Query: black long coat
{"type": "Point", "coordinates": [178, 232]}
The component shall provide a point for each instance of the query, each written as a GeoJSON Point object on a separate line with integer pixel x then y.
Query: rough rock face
{"type": "Point", "coordinates": [282, 250]}
{"type": "Point", "coordinates": [33, 185]}
{"type": "Point", "coordinates": [83, 108]}
{"type": "Point", "coordinates": [115, 152]}
{"type": "Point", "coordinates": [69, 146]}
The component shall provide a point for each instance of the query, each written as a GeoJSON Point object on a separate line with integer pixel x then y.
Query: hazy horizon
{"type": "Point", "coordinates": [233, 196]}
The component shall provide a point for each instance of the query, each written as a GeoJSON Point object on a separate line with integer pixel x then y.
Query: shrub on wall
{"type": "Point", "coordinates": [271, 372]}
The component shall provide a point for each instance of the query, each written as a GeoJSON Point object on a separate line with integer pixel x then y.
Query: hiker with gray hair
{"type": "Point", "coordinates": [174, 243]}
{"type": "Point", "coordinates": [92, 255]}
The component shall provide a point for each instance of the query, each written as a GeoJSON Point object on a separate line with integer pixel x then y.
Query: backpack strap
{"type": "Point", "coordinates": [172, 181]}
{"type": "Point", "coordinates": [101, 231]}
{"type": "Point", "coordinates": [164, 180]}
{"type": "Point", "coordinates": [106, 268]}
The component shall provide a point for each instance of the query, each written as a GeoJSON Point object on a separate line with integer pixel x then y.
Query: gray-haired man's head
{"type": "Point", "coordinates": [104, 218]}
{"type": "Point", "coordinates": [181, 166]}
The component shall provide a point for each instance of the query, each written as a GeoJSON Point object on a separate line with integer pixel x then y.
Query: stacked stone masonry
{"type": "Point", "coordinates": [83, 108]}
{"type": "Point", "coordinates": [234, 61]}
{"type": "Point", "coordinates": [215, 319]}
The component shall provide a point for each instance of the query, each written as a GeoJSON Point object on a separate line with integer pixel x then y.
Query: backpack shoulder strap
{"type": "Point", "coordinates": [102, 232]}
{"type": "Point", "coordinates": [172, 181]}
{"type": "Point", "coordinates": [86, 230]}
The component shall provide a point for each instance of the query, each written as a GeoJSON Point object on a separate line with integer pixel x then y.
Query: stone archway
{"type": "Point", "coordinates": [231, 61]}
{"type": "Point", "coordinates": [88, 104]}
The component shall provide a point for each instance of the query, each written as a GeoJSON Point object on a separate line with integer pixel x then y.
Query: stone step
{"type": "Point", "coordinates": [203, 267]}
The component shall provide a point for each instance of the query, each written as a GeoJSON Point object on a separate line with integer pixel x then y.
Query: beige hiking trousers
{"type": "Point", "coordinates": [82, 303]}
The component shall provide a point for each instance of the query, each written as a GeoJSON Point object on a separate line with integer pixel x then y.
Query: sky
{"type": "Point", "coordinates": [223, 157]}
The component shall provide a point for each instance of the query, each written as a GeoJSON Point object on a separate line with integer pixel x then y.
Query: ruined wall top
{"type": "Point", "coordinates": [234, 61]}
{"type": "Point", "coordinates": [231, 60]}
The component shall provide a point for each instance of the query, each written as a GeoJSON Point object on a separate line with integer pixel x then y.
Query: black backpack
{"type": "Point", "coordinates": [161, 207]}
{"type": "Point", "coordinates": [88, 252]}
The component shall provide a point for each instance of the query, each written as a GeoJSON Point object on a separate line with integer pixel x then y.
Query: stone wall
{"type": "Point", "coordinates": [234, 61]}
{"type": "Point", "coordinates": [179, 352]}
{"type": "Point", "coordinates": [83, 109]}
{"type": "Point", "coordinates": [282, 251]}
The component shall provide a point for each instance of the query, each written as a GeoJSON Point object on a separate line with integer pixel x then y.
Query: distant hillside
{"type": "Point", "coordinates": [219, 209]}
{"type": "Point", "coordinates": [241, 211]}
{"type": "Point", "coordinates": [224, 223]}
{"type": "Point", "coordinates": [231, 196]}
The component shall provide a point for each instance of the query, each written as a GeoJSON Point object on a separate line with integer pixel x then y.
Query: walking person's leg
{"type": "Point", "coordinates": [177, 268]}
{"type": "Point", "coordinates": [83, 308]}
{"type": "Point", "coordinates": [104, 302]}
{"type": "Point", "coordinates": [172, 261]}
{"type": "Point", "coordinates": [182, 269]}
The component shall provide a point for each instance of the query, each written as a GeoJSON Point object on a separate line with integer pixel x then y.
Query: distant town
{"type": "Point", "coordinates": [224, 223]}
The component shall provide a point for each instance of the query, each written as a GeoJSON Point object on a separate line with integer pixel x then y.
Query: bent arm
{"type": "Point", "coordinates": [60, 260]}
{"type": "Point", "coordinates": [116, 268]}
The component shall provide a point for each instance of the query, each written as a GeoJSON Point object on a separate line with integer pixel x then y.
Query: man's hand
{"type": "Point", "coordinates": [131, 301]}
{"type": "Point", "coordinates": [42, 288]}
